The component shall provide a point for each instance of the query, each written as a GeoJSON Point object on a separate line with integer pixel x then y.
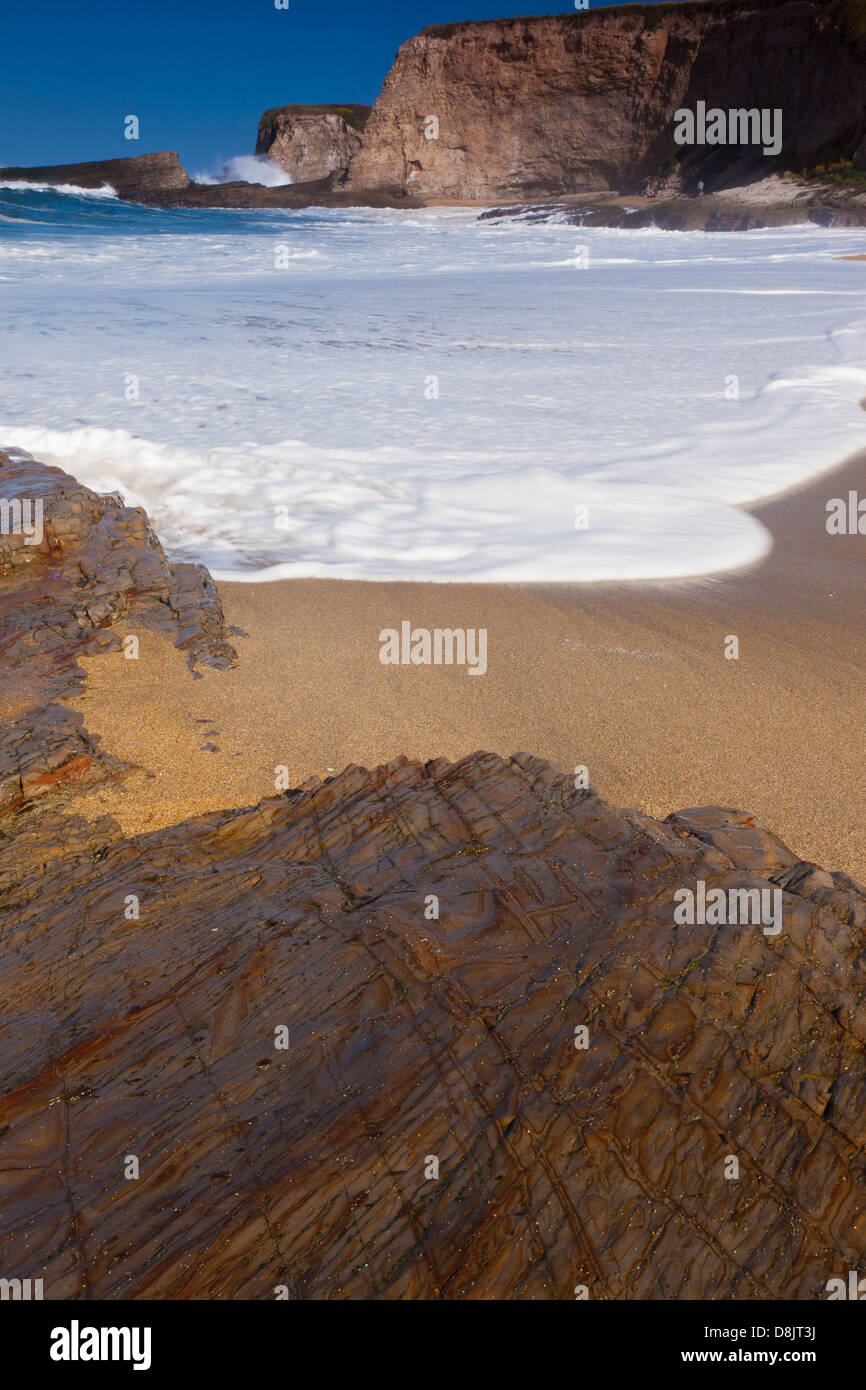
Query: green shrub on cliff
{"type": "Point", "coordinates": [849, 14]}
{"type": "Point", "coordinates": [354, 115]}
{"type": "Point", "coordinates": [842, 172]}
{"type": "Point", "coordinates": [443, 31]}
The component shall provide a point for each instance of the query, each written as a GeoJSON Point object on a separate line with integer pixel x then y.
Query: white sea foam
{"type": "Point", "coordinates": [248, 168]}
{"type": "Point", "coordinates": [105, 190]}
{"type": "Point", "coordinates": [430, 397]}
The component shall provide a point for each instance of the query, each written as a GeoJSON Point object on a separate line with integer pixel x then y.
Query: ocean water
{"type": "Point", "coordinates": [399, 395]}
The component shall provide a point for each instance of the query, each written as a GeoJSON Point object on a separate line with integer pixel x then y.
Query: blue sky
{"type": "Point", "coordinates": [197, 74]}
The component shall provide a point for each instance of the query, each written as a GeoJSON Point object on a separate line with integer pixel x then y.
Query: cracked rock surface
{"type": "Point", "coordinates": [96, 575]}
{"type": "Point", "coordinates": [411, 1038]}
{"type": "Point", "coordinates": [339, 1033]}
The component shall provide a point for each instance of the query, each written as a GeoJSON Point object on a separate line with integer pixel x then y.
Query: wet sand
{"type": "Point", "coordinates": [629, 680]}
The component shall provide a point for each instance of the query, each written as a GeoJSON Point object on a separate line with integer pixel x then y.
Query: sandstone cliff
{"type": "Point", "coordinates": [306, 1167]}
{"type": "Point", "coordinates": [144, 173]}
{"type": "Point", "coordinates": [586, 101]}
{"type": "Point", "coordinates": [311, 142]}
{"type": "Point", "coordinates": [566, 105]}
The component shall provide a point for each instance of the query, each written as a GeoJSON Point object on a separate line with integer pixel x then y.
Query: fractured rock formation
{"type": "Point", "coordinates": [311, 142]}
{"type": "Point", "coordinates": [98, 573]}
{"type": "Point", "coordinates": [144, 173]}
{"type": "Point", "coordinates": [337, 1034]}
{"type": "Point", "coordinates": [586, 101]}
{"type": "Point", "coordinates": [783, 203]}
{"type": "Point", "coordinates": [183, 192]}
{"type": "Point", "coordinates": [307, 1169]}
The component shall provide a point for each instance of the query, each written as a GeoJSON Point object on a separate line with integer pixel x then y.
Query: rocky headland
{"type": "Point", "coordinates": [161, 181]}
{"type": "Point", "coordinates": [136, 178]}
{"type": "Point", "coordinates": [585, 102]}
{"type": "Point", "coordinates": [312, 142]}
{"type": "Point", "coordinates": [574, 107]}
{"type": "Point", "coordinates": [426, 1031]}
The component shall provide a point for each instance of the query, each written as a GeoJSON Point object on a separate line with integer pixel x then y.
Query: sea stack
{"type": "Point", "coordinates": [311, 142]}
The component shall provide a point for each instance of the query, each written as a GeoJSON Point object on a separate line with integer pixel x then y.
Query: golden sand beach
{"type": "Point", "coordinates": [630, 681]}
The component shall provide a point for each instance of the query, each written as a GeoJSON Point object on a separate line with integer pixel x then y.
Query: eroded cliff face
{"type": "Point", "coordinates": [311, 142]}
{"type": "Point", "coordinates": [568, 103]}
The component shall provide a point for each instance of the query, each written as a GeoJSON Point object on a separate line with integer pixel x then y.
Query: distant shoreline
{"type": "Point", "coordinates": [159, 180]}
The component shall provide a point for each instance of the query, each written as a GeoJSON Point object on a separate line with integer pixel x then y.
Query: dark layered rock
{"type": "Point", "coordinates": [144, 173]}
{"type": "Point", "coordinates": [325, 1047]}
{"type": "Point", "coordinates": [311, 142]}
{"type": "Point", "coordinates": [159, 180]}
{"type": "Point", "coordinates": [96, 575]}
{"type": "Point", "coordinates": [807, 202]}
{"type": "Point", "coordinates": [430, 1129]}
{"type": "Point", "coordinates": [328, 192]}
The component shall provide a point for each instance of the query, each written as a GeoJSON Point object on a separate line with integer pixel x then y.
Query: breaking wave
{"type": "Point", "coordinates": [248, 168]}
